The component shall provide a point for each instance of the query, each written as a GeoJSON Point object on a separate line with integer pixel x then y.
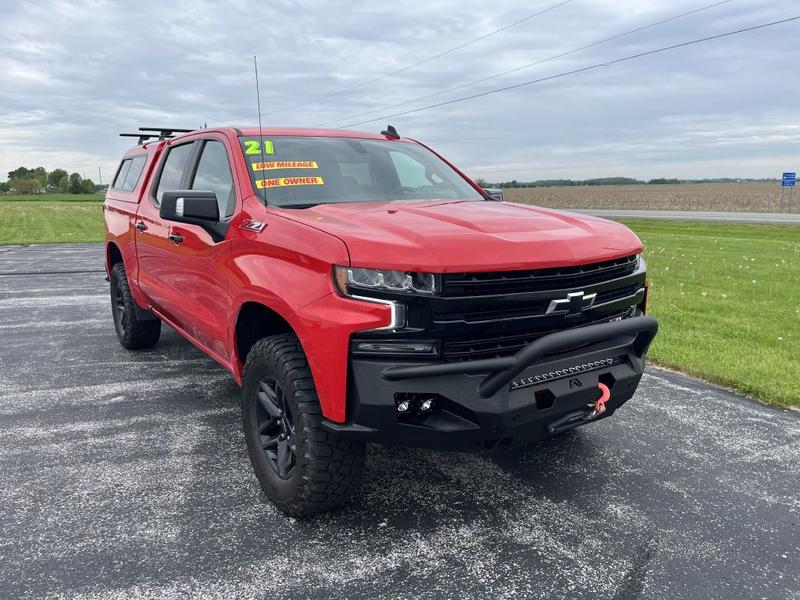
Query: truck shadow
{"type": "Point", "coordinates": [510, 504]}
{"type": "Point", "coordinates": [409, 488]}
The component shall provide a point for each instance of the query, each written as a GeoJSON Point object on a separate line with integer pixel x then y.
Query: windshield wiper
{"type": "Point", "coordinates": [309, 205]}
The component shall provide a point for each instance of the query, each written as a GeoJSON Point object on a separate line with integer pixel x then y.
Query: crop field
{"type": "Point", "coordinates": [728, 197]}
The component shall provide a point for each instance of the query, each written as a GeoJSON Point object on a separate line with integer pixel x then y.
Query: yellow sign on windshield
{"type": "Point", "coordinates": [287, 181]}
{"type": "Point", "coordinates": [284, 164]}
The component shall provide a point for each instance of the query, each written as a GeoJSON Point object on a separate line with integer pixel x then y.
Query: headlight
{"type": "Point", "coordinates": [350, 280]}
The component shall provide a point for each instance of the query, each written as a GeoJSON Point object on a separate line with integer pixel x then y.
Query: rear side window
{"type": "Point", "coordinates": [121, 174]}
{"type": "Point", "coordinates": [128, 175]}
{"type": "Point", "coordinates": [174, 168]}
{"type": "Point", "coordinates": [213, 174]}
{"type": "Point", "coordinates": [133, 174]}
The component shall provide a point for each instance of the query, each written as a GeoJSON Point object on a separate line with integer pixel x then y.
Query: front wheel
{"type": "Point", "coordinates": [302, 467]}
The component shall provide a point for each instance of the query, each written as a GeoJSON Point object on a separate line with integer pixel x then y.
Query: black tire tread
{"type": "Point", "coordinates": [334, 465]}
{"type": "Point", "coordinates": [139, 334]}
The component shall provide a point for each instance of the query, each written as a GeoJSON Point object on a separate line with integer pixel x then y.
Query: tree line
{"type": "Point", "coordinates": [37, 181]}
{"type": "Point", "coordinates": [610, 181]}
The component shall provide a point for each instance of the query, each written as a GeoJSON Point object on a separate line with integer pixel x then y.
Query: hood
{"type": "Point", "coordinates": [462, 236]}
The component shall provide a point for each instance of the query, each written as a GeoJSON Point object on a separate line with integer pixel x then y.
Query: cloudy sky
{"type": "Point", "coordinates": [75, 74]}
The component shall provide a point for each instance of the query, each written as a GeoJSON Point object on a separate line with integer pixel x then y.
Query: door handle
{"type": "Point", "coordinates": [141, 226]}
{"type": "Point", "coordinates": [176, 238]}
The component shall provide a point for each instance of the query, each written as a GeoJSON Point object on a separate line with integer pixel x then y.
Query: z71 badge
{"type": "Point", "coordinates": [253, 225]}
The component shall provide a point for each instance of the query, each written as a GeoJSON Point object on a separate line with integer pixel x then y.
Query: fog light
{"type": "Point", "coordinates": [426, 405]}
{"type": "Point", "coordinates": [403, 406]}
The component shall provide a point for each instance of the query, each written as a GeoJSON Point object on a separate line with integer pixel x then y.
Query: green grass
{"type": "Point", "coordinates": [726, 295]}
{"type": "Point", "coordinates": [728, 302]}
{"type": "Point", "coordinates": [53, 222]}
{"type": "Point", "coordinates": [99, 197]}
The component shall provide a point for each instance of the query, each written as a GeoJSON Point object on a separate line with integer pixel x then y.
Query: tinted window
{"type": "Point", "coordinates": [123, 171]}
{"type": "Point", "coordinates": [134, 172]}
{"type": "Point", "coordinates": [214, 175]}
{"type": "Point", "coordinates": [358, 171]}
{"type": "Point", "coordinates": [174, 167]}
{"type": "Point", "coordinates": [410, 171]}
{"type": "Point", "coordinates": [298, 171]}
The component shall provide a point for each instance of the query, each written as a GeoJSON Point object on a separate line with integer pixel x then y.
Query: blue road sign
{"type": "Point", "coordinates": [789, 179]}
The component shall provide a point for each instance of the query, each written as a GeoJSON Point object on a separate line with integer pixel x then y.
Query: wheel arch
{"type": "Point", "coordinates": [255, 320]}
{"type": "Point", "coordinates": [113, 256]}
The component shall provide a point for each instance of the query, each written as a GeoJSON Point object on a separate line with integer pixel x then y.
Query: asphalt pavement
{"type": "Point", "coordinates": [695, 215]}
{"type": "Point", "coordinates": [124, 475]}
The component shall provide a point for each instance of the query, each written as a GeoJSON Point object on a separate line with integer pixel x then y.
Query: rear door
{"type": "Point", "coordinates": [200, 263]}
{"type": "Point", "coordinates": [153, 246]}
{"type": "Point", "coordinates": [121, 205]}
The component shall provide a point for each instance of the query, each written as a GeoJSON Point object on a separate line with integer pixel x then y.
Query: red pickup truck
{"type": "Point", "coordinates": [360, 288]}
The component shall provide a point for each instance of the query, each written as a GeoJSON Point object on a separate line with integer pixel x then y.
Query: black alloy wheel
{"type": "Point", "coordinates": [303, 467]}
{"type": "Point", "coordinates": [136, 329]}
{"type": "Point", "coordinates": [118, 304]}
{"type": "Point", "coordinates": [276, 427]}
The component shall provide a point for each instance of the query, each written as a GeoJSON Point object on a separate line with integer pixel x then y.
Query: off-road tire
{"type": "Point", "coordinates": [326, 469]}
{"type": "Point", "coordinates": [133, 333]}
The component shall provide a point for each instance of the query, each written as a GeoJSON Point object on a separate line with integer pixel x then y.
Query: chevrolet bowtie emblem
{"type": "Point", "coordinates": [573, 304]}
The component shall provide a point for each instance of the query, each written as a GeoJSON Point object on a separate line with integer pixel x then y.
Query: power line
{"type": "Point", "coordinates": [576, 71]}
{"type": "Point", "coordinates": [421, 62]}
{"type": "Point", "coordinates": [535, 63]}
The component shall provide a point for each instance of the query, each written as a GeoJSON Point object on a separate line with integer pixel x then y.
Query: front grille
{"type": "Point", "coordinates": [535, 280]}
{"type": "Point", "coordinates": [488, 315]}
{"type": "Point", "coordinates": [492, 346]}
{"type": "Point", "coordinates": [524, 310]}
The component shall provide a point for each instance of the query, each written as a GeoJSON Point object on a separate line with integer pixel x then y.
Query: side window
{"type": "Point", "coordinates": [121, 174]}
{"type": "Point", "coordinates": [174, 168]}
{"type": "Point", "coordinates": [410, 171]}
{"type": "Point", "coordinates": [213, 174]}
{"type": "Point", "coordinates": [134, 172]}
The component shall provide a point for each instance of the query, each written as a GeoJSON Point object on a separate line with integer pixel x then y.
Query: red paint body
{"type": "Point", "coordinates": [200, 286]}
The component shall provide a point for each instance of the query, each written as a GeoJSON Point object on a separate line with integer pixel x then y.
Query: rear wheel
{"type": "Point", "coordinates": [133, 333]}
{"type": "Point", "coordinates": [302, 467]}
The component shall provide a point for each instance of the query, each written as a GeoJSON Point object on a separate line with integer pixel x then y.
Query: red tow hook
{"type": "Point", "coordinates": [599, 406]}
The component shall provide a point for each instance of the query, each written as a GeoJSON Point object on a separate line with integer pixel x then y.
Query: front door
{"type": "Point", "coordinates": [153, 247]}
{"type": "Point", "coordinates": [200, 262]}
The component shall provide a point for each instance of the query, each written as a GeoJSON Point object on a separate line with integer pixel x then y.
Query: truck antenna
{"type": "Point", "coordinates": [258, 100]}
{"type": "Point", "coordinates": [391, 132]}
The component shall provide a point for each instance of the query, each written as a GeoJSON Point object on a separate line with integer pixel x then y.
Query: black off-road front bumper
{"type": "Point", "coordinates": [545, 388]}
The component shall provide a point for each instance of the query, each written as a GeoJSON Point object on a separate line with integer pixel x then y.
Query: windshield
{"type": "Point", "coordinates": [302, 171]}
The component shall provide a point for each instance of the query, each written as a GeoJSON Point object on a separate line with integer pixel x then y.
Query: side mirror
{"type": "Point", "coordinates": [190, 206]}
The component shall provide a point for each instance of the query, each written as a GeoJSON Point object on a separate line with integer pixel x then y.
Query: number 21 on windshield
{"type": "Point", "coordinates": [254, 147]}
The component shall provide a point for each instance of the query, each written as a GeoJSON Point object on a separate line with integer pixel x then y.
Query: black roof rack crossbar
{"type": "Point", "coordinates": [166, 131]}
{"type": "Point", "coordinates": [162, 133]}
{"type": "Point", "coordinates": [143, 137]}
